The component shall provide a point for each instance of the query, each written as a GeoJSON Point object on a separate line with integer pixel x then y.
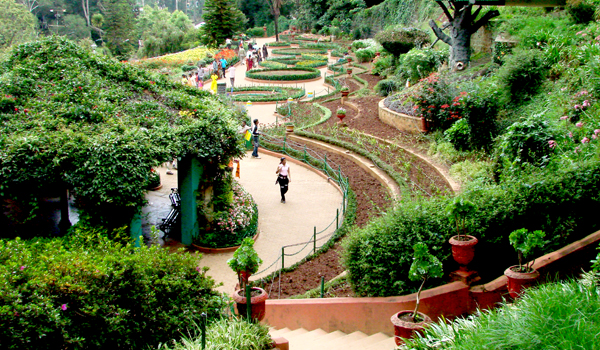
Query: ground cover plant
{"type": "Point", "coordinates": [71, 119]}
{"type": "Point", "coordinates": [283, 74]}
{"type": "Point", "coordinates": [265, 93]}
{"type": "Point", "coordinates": [88, 291]}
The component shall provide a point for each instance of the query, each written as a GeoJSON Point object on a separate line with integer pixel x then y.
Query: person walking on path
{"type": "Point", "coordinates": [265, 52]}
{"type": "Point", "coordinates": [200, 78]}
{"type": "Point", "coordinates": [242, 54]}
{"type": "Point", "coordinates": [255, 136]}
{"type": "Point", "coordinates": [232, 76]}
{"type": "Point", "coordinates": [215, 66]}
{"type": "Point", "coordinates": [213, 84]}
{"type": "Point", "coordinates": [283, 170]}
{"type": "Point", "coordinates": [223, 66]}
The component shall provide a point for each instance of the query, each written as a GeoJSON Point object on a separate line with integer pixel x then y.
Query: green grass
{"type": "Point", "coordinates": [563, 315]}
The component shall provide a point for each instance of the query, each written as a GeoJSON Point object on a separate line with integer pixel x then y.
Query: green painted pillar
{"type": "Point", "coordinates": [189, 172]}
{"type": "Point", "coordinates": [135, 228]}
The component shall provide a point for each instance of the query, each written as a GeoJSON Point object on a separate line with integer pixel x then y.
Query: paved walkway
{"type": "Point", "coordinates": [311, 200]}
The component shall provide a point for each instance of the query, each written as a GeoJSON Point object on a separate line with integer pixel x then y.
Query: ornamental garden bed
{"type": "Point", "coordinates": [278, 44]}
{"type": "Point", "coordinates": [284, 74]}
{"type": "Point", "coordinates": [299, 51]}
{"type": "Point", "coordinates": [266, 93]}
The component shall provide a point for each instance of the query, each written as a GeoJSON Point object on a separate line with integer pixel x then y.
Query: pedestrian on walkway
{"type": "Point", "coordinates": [255, 136]}
{"type": "Point", "coordinates": [200, 78]}
{"type": "Point", "coordinates": [265, 52]}
{"type": "Point", "coordinates": [213, 84]}
{"type": "Point", "coordinates": [283, 170]}
{"type": "Point", "coordinates": [223, 66]}
{"type": "Point", "coordinates": [242, 54]}
{"type": "Point", "coordinates": [184, 79]}
{"type": "Point", "coordinates": [215, 66]}
{"type": "Point", "coordinates": [232, 76]}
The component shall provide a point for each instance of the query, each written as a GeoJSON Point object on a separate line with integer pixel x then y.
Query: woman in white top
{"type": "Point", "coordinates": [284, 177]}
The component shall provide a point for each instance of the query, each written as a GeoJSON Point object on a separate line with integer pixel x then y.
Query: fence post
{"type": "Point", "coordinates": [282, 256]}
{"type": "Point", "coordinates": [305, 153]}
{"type": "Point", "coordinates": [322, 286]}
{"type": "Point", "coordinates": [337, 218]}
{"type": "Point", "coordinates": [315, 240]}
{"type": "Point", "coordinates": [344, 203]}
{"type": "Point", "coordinates": [203, 327]}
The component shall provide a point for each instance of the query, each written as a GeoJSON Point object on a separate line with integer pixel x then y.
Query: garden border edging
{"type": "Point", "coordinates": [400, 121]}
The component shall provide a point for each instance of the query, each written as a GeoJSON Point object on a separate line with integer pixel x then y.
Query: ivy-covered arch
{"type": "Point", "coordinates": [74, 120]}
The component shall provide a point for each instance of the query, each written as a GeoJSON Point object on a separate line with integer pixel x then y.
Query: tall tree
{"type": "Point", "coordinates": [463, 23]}
{"type": "Point", "coordinates": [119, 21]}
{"type": "Point", "coordinates": [223, 19]}
{"type": "Point", "coordinates": [17, 24]}
{"type": "Point", "coordinates": [275, 6]}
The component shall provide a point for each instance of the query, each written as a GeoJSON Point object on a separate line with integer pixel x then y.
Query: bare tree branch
{"type": "Point", "coordinates": [445, 9]}
{"type": "Point", "coordinates": [476, 13]}
{"type": "Point", "coordinates": [483, 20]}
{"type": "Point", "coordinates": [439, 34]}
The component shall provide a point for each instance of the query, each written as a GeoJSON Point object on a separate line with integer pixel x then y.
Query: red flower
{"type": "Point", "coordinates": [444, 106]}
{"type": "Point", "coordinates": [152, 83]}
{"type": "Point", "coordinates": [26, 110]}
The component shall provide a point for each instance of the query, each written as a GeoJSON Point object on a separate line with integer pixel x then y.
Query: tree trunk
{"type": "Point", "coordinates": [276, 27]}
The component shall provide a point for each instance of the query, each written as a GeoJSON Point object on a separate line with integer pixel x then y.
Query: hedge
{"type": "Point", "coordinates": [287, 60]}
{"type": "Point", "coordinates": [262, 74]}
{"type": "Point", "coordinates": [85, 291]}
{"type": "Point", "coordinates": [312, 56]}
{"type": "Point", "coordinates": [272, 64]}
{"type": "Point", "coordinates": [555, 201]}
{"type": "Point", "coordinates": [278, 44]}
{"type": "Point", "coordinates": [400, 41]}
{"type": "Point", "coordinates": [299, 51]}
{"type": "Point", "coordinates": [311, 64]}
{"type": "Point", "coordinates": [283, 93]}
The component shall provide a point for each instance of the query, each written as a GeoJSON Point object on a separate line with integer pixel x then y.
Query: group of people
{"type": "Point", "coordinates": [254, 55]}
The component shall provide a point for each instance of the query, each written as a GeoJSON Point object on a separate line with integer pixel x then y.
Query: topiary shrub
{"type": "Point", "coordinates": [256, 32]}
{"type": "Point", "coordinates": [365, 55]}
{"type": "Point", "coordinates": [85, 291]}
{"type": "Point", "coordinates": [400, 41]}
{"type": "Point", "coordinates": [522, 73]}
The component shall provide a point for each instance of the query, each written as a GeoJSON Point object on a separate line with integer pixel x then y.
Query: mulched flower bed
{"type": "Point", "coordinates": [371, 79]}
{"type": "Point", "coordinates": [372, 198]}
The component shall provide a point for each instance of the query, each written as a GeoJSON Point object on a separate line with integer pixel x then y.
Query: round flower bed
{"type": "Point", "coordinates": [311, 64]}
{"type": "Point", "coordinates": [266, 93]}
{"type": "Point", "coordinates": [235, 224]}
{"type": "Point", "coordinates": [299, 51]}
{"type": "Point", "coordinates": [313, 56]}
{"type": "Point", "coordinates": [272, 64]}
{"type": "Point", "coordinates": [284, 74]}
{"type": "Point", "coordinates": [287, 60]}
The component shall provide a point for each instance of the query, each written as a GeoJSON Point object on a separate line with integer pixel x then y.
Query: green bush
{"type": "Point", "coordinates": [299, 51]}
{"type": "Point", "coordinates": [365, 55]}
{"type": "Point", "coordinates": [311, 64]}
{"type": "Point", "coordinates": [386, 87]}
{"type": "Point", "coordinates": [383, 64]}
{"type": "Point", "coordinates": [226, 334]}
{"type": "Point", "coordinates": [419, 63]}
{"type": "Point", "coordinates": [187, 68]}
{"type": "Point", "coordinates": [458, 134]}
{"type": "Point", "coordinates": [278, 93]}
{"type": "Point", "coordinates": [272, 64]}
{"type": "Point", "coordinates": [522, 73]}
{"type": "Point", "coordinates": [376, 258]}
{"type": "Point", "coordinates": [85, 291]}
{"type": "Point", "coordinates": [278, 44]}
{"type": "Point", "coordinates": [543, 318]}
{"type": "Point", "coordinates": [526, 142]}
{"type": "Point", "coordinates": [581, 11]}
{"type": "Point", "coordinates": [400, 41]}
{"type": "Point", "coordinates": [256, 32]}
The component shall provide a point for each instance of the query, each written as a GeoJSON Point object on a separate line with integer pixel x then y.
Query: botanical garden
{"type": "Point", "coordinates": [445, 166]}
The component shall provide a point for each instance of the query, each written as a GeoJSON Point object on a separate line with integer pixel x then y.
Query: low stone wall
{"type": "Point", "coordinates": [399, 121]}
{"type": "Point", "coordinates": [372, 315]}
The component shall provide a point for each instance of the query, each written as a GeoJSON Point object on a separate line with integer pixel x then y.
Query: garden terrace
{"type": "Point", "coordinates": [266, 93]}
{"type": "Point", "coordinates": [74, 120]}
{"type": "Point", "coordinates": [283, 74]}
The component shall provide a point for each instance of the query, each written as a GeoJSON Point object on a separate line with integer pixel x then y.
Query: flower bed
{"type": "Point", "coordinates": [312, 56]}
{"type": "Point", "coordinates": [272, 64]}
{"type": "Point", "coordinates": [239, 221]}
{"type": "Point", "coordinates": [266, 93]}
{"type": "Point", "coordinates": [287, 60]}
{"type": "Point", "coordinates": [311, 64]}
{"type": "Point", "coordinates": [284, 74]}
{"type": "Point", "coordinates": [299, 51]}
{"type": "Point", "coordinates": [278, 44]}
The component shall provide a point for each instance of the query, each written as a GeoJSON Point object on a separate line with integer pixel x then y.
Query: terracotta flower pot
{"type": "Point", "coordinates": [345, 93]}
{"type": "Point", "coordinates": [258, 303]}
{"type": "Point", "coordinates": [289, 128]}
{"type": "Point", "coordinates": [349, 71]}
{"type": "Point", "coordinates": [425, 125]}
{"type": "Point", "coordinates": [404, 328]}
{"type": "Point", "coordinates": [349, 60]}
{"type": "Point", "coordinates": [463, 251]}
{"type": "Point", "coordinates": [518, 281]}
{"type": "Point", "coordinates": [341, 116]}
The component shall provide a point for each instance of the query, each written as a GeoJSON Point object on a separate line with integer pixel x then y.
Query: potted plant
{"type": "Point", "coordinates": [523, 275]}
{"type": "Point", "coordinates": [424, 265]}
{"type": "Point", "coordinates": [245, 262]}
{"type": "Point", "coordinates": [349, 70]}
{"type": "Point", "coordinates": [463, 245]}
{"type": "Point", "coordinates": [289, 127]}
{"type": "Point", "coordinates": [154, 180]}
{"type": "Point", "coordinates": [341, 113]}
{"type": "Point", "coordinates": [345, 91]}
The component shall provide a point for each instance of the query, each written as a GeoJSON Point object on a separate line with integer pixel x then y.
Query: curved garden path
{"type": "Point", "coordinates": [311, 200]}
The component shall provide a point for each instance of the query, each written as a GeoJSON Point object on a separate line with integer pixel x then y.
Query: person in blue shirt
{"type": "Point", "coordinates": [223, 66]}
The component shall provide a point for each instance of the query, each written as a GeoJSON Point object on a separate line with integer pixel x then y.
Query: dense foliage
{"type": "Point", "coordinates": [85, 291]}
{"type": "Point", "coordinates": [72, 119]}
{"type": "Point", "coordinates": [223, 20]}
{"type": "Point", "coordinates": [401, 40]}
{"type": "Point", "coordinates": [281, 74]}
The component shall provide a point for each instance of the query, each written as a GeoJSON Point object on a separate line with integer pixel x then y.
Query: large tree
{"type": "Point", "coordinates": [17, 24]}
{"type": "Point", "coordinates": [275, 7]}
{"type": "Point", "coordinates": [463, 23]}
{"type": "Point", "coordinates": [119, 21]}
{"type": "Point", "coordinates": [223, 19]}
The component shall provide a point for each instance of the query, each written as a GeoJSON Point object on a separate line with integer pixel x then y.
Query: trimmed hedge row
{"type": "Point", "coordinates": [311, 64]}
{"type": "Point", "coordinates": [312, 56]}
{"type": "Point", "coordinates": [278, 44]}
{"type": "Point", "coordinates": [272, 64]}
{"type": "Point", "coordinates": [299, 51]}
{"type": "Point", "coordinates": [262, 74]}
{"type": "Point", "coordinates": [287, 60]}
{"type": "Point", "coordinates": [282, 93]}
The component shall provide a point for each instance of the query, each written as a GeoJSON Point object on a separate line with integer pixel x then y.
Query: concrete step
{"type": "Point", "coordinates": [303, 341]}
{"type": "Point", "coordinates": [276, 333]}
{"type": "Point", "coordinates": [313, 343]}
{"type": "Point", "coordinates": [292, 334]}
{"type": "Point", "coordinates": [339, 343]}
{"type": "Point", "coordinates": [366, 342]}
{"type": "Point", "coordinates": [388, 344]}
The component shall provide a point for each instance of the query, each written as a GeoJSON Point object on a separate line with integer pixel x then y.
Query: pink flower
{"type": "Point", "coordinates": [570, 134]}
{"type": "Point", "coordinates": [586, 103]}
{"type": "Point", "coordinates": [22, 268]}
{"type": "Point", "coordinates": [594, 137]}
{"type": "Point", "coordinates": [564, 117]}
{"type": "Point", "coordinates": [579, 32]}
{"type": "Point", "coordinates": [576, 149]}
{"type": "Point", "coordinates": [577, 106]}
{"type": "Point", "coordinates": [597, 131]}
{"type": "Point", "coordinates": [552, 143]}
{"type": "Point", "coordinates": [64, 307]}
{"type": "Point", "coordinates": [579, 124]}
{"type": "Point", "coordinates": [585, 140]}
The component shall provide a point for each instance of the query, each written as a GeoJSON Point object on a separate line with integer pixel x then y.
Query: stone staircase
{"type": "Point", "coordinates": [301, 339]}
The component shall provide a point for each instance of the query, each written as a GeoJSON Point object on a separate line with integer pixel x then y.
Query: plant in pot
{"type": "Point", "coordinates": [523, 275]}
{"type": "Point", "coordinates": [424, 265]}
{"type": "Point", "coordinates": [345, 91]}
{"type": "Point", "coordinates": [245, 262]}
{"type": "Point", "coordinates": [289, 126]}
{"type": "Point", "coordinates": [341, 113]}
{"type": "Point", "coordinates": [154, 180]}
{"type": "Point", "coordinates": [463, 245]}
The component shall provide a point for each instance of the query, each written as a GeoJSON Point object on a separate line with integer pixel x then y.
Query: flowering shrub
{"type": "Point", "coordinates": [240, 211]}
{"type": "Point", "coordinates": [227, 54]}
